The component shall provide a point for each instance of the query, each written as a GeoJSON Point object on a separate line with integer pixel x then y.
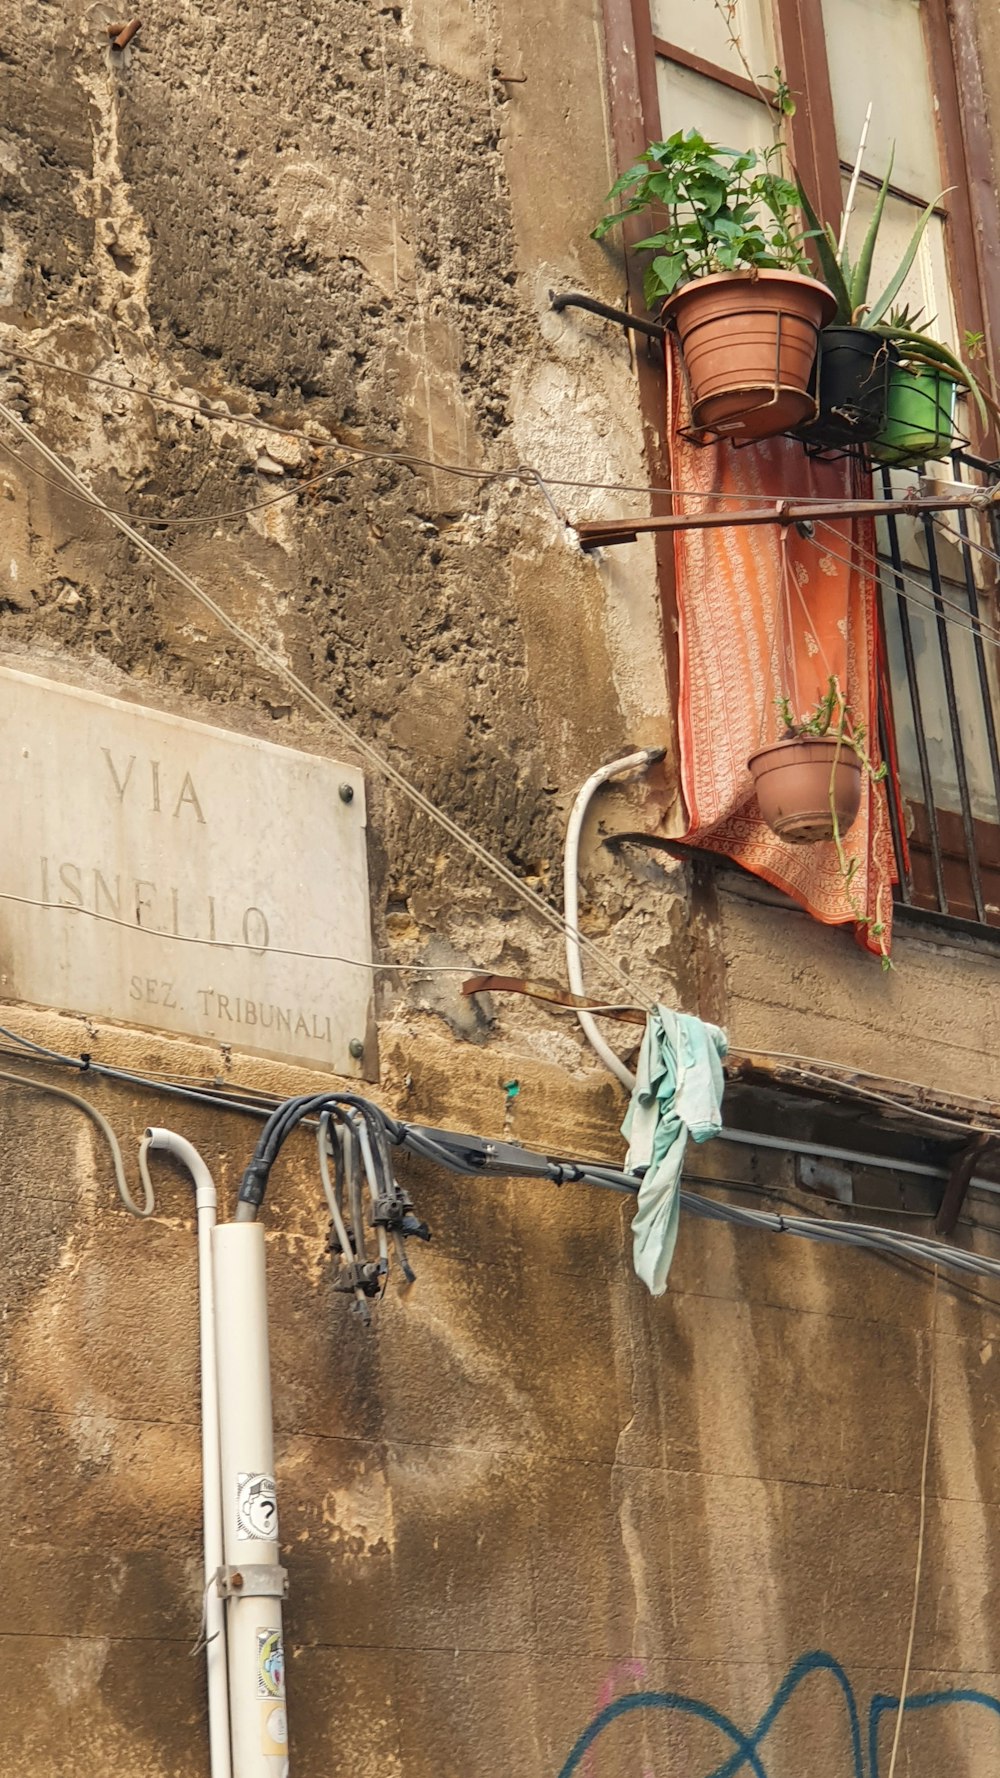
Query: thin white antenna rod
{"type": "Point", "coordinates": [855, 176]}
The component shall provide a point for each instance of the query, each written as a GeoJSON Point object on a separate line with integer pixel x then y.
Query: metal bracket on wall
{"type": "Point", "coordinates": [600, 533]}
{"type": "Point", "coordinates": [252, 1580]}
{"type": "Point", "coordinates": [574, 299]}
{"type": "Point", "coordinates": [959, 1179]}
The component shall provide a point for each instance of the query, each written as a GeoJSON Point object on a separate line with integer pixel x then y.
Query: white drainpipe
{"type": "Point", "coordinates": [632, 762]}
{"type": "Point", "coordinates": [256, 1581]}
{"type": "Point", "coordinates": [166, 1142]}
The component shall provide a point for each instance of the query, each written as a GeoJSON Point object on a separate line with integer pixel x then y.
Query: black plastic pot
{"type": "Point", "coordinates": [852, 384]}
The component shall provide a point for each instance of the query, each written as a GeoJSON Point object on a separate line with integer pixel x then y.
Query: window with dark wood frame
{"type": "Point", "coordinates": [938, 591]}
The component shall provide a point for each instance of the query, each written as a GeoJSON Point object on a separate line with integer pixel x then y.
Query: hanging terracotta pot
{"type": "Point", "coordinates": [749, 345]}
{"type": "Point", "coordinates": [792, 779]}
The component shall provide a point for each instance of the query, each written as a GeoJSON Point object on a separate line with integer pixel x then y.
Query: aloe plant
{"type": "Point", "coordinates": [848, 282]}
{"type": "Point", "coordinates": [920, 352]}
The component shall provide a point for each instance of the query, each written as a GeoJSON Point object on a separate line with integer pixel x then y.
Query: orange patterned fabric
{"type": "Point", "coordinates": [763, 613]}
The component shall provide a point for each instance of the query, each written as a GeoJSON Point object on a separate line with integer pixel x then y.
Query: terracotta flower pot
{"type": "Point", "coordinates": [792, 781]}
{"type": "Point", "coordinates": [749, 345]}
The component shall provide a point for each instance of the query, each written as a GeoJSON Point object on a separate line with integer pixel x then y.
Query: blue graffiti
{"type": "Point", "coordinates": [746, 1755]}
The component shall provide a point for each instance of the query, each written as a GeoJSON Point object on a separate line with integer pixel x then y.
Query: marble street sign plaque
{"type": "Point", "coordinates": [209, 859]}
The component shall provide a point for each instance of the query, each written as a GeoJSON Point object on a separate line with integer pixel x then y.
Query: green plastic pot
{"type": "Point", "coordinates": [919, 421]}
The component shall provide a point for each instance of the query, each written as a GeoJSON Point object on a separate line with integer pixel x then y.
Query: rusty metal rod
{"type": "Point", "coordinates": [126, 35]}
{"type": "Point", "coordinates": [574, 299]}
{"type": "Point", "coordinates": [597, 533]}
{"type": "Point", "coordinates": [959, 1179]}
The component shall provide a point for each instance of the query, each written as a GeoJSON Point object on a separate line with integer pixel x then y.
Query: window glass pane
{"type": "Point", "coordinates": [690, 101]}
{"type": "Point", "coordinates": [933, 698]}
{"type": "Point", "coordinates": [876, 52]}
{"type": "Point", "coordinates": [698, 26]}
{"type": "Point", "coordinates": [911, 538]}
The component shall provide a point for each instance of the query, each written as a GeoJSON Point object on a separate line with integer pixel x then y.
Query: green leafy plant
{"type": "Point", "coordinates": [783, 98]}
{"type": "Point", "coordinates": [832, 719]}
{"type": "Point", "coordinates": [724, 210]}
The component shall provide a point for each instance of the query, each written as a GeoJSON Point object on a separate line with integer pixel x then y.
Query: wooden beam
{"type": "Point", "coordinates": [802, 55]}
{"type": "Point", "coordinates": [737, 83]}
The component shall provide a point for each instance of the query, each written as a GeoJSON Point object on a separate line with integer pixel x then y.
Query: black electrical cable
{"type": "Point", "coordinates": [284, 1120]}
{"type": "Point", "coordinates": [84, 1064]}
{"type": "Point", "coordinates": [472, 1155]}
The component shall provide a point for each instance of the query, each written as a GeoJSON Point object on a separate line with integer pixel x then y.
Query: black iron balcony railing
{"type": "Point", "coordinates": [940, 704]}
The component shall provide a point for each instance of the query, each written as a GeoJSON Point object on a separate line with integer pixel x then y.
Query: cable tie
{"type": "Point", "coordinates": [254, 1183]}
{"type": "Point", "coordinates": [412, 1225]}
{"type": "Point", "coordinates": [84, 1061]}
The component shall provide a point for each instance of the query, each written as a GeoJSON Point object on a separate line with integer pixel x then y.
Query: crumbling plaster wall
{"type": "Point", "coordinates": [528, 1491]}
{"type": "Point", "coordinates": [343, 220]}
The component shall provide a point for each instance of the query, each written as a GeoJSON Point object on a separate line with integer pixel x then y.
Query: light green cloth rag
{"type": "Point", "coordinates": [677, 1093]}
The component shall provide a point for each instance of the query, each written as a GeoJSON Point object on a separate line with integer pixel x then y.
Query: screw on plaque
{"type": "Point", "coordinates": [347, 793]}
{"type": "Point", "coordinates": [356, 1048]}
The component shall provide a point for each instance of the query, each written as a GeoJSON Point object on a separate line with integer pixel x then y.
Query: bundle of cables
{"type": "Point", "coordinates": [364, 1192]}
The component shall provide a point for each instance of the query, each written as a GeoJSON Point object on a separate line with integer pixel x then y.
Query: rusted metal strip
{"type": "Point", "coordinates": [599, 533]}
{"type": "Point", "coordinates": [959, 1179]}
{"type": "Point", "coordinates": [802, 53]}
{"type": "Point", "coordinates": [893, 1100]}
{"type": "Point", "coordinates": [552, 996]}
{"type": "Point", "coordinates": [126, 34]}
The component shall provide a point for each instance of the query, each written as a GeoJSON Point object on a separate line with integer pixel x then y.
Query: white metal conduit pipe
{"type": "Point", "coordinates": [166, 1142]}
{"type": "Point", "coordinates": [256, 1579]}
{"type": "Point", "coordinates": [633, 762]}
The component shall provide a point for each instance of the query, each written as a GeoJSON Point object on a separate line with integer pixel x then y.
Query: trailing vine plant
{"type": "Point", "coordinates": [780, 101]}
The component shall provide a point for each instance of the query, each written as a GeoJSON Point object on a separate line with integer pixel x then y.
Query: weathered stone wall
{"type": "Point", "coordinates": [528, 1492]}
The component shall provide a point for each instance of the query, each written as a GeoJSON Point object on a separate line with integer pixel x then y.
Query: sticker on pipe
{"type": "Point", "coordinates": [256, 1507]}
{"type": "Point", "coordinates": [270, 1664]}
{"type": "Point", "coordinates": [274, 1737]}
